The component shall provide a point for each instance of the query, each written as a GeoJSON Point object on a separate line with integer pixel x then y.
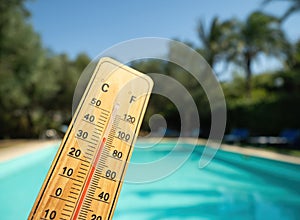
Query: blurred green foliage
{"type": "Point", "coordinates": [274, 104]}
{"type": "Point", "coordinates": [37, 86]}
{"type": "Point", "coordinates": [159, 104]}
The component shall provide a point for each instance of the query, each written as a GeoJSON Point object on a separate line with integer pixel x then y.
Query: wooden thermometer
{"type": "Point", "coordinates": [86, 176]}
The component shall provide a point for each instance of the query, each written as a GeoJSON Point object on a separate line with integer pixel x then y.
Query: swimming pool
{"type": "Point", "coordinates": [232, 186]}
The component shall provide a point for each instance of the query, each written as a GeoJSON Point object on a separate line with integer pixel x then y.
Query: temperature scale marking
{"type": "Point", "coordinates": [86, 176]}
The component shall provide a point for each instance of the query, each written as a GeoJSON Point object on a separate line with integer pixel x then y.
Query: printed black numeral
{"type": "Point", "coordinates": [96, 102]}
{"type": "Point", "coordinates": [129, 118]}
{"type": "Point", "coordinates": [75, 152]}
{"type": "Point", "coordinates": [68, 171]}
{"type": "Point", "coordinates": [123, 136]}
{"type": "Point", "coordinates": [51, 214]}
{"type": "Point", "coordinates": [82, 134]}
{"type": "Point", "coordinates": [58, 191]}
{"type": "Point", "coordinates": [96, 217]}
{"type": "Point", "coordinates": [110, 174]}
{"type": "Point", "coordinates": [117, 154]}
{"type": "Point", "coordinates": [89, 118]}
{"type": "Point", "coordinates": [104, 196]}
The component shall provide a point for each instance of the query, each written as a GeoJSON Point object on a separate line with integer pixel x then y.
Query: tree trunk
{"type": "Point", "coordinates": [248, 75]}
{"type": "Point", "coordinates": [30, 126]}
{"type": "Point", "coordinates": [211, 62]}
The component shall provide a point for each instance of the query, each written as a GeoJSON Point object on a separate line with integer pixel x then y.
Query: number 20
{"type": "Point", "coordinates": [96, 217]}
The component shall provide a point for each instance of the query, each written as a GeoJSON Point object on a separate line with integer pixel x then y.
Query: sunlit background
{"type": "Point", "coordinates": [253, 48]}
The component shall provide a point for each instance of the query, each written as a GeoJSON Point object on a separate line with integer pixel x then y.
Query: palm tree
{"type": "Point", "coordinates": [214, 39]}
{"type": "Point", "coordinates": [259, 34]}
{"type": "Point", "coordinates": [295, 6]}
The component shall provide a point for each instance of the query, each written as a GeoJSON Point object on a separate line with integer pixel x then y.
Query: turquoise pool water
{"type": "Point", "coordinates": [232, 186]}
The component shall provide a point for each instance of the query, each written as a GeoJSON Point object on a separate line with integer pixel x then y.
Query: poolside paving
{"type": "Point", "coordinates": [250, 151]}
{"type": "Point", "coordinates": [10, 149]}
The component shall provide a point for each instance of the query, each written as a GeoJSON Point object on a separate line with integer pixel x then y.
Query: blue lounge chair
{"type": "Point", "coordinates": [237, 135]}
{"type": "Point", "coordinates": [286, 137]}
{"type": "Point", "coordinates": [290, 136]}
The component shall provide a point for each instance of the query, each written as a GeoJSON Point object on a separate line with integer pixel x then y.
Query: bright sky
{"type": "Point", "coordinates": [74, 26]}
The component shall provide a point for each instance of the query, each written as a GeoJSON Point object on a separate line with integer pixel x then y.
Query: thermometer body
{"type": "Point", "coordinates": [86, 176]}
